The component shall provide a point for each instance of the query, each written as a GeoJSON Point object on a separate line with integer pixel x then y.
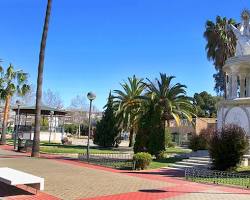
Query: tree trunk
{"type": "Point", "coordinates": [131, 137]}
{"type": "Point", "coordinates": [36, 139]}
{"type": "Point", "coordinates": [5, 119]}
{"type": "Point", "coordinates": [166, 130]}
{"type": "Point", "coordinates": [79, 130]}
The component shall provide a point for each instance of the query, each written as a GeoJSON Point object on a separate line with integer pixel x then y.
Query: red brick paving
{"type": "Point", "coordinates": [181, 187]}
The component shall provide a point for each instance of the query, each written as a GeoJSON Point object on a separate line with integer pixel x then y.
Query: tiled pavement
{"type": "Point", "coordinates": [69, 179]}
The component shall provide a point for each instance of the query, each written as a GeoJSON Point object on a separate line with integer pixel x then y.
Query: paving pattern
{"type": "Point", "coordinates": [69, 179]}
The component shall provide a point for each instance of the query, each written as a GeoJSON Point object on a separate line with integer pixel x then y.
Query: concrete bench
{"type": "Point", "coordinates": [14, 177]}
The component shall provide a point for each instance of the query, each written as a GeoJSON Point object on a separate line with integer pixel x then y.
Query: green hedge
{"type": "Point", "coordinates": [142, 160]}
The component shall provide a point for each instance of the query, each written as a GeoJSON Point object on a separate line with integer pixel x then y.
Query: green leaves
{"type": "Point", "coordinates": [221, 44]}
{"type": "Point", "coordinates": [12, 82]}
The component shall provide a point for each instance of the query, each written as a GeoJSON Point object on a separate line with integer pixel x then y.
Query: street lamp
{"type": "Point", "coordinates": [18, 103]}
{"type": "Point", "coordinates": [51, 122]}
{"type": "Point", "coordinates": [91, 96]}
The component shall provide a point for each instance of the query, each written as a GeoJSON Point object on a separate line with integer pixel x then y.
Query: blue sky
{"type": "Point", "coordinates": [94, 45]}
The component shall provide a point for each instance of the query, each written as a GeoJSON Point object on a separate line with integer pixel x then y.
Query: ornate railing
{"type": "Point", "coordinates": [113, 160]}
{"type": "Point", "coordinates": [218, 177]}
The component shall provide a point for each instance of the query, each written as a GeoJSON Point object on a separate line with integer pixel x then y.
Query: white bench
{"type": "Point", "coordinates": [14, 177]}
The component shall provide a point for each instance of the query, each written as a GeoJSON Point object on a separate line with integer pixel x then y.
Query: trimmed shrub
{"type": "Point", "coordinates": [227, 147]}
{"type": "Point", "coordinates": [142, 160]}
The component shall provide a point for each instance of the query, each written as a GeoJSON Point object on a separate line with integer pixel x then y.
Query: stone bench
{"type": "Point", "coordinates": [14, 177]}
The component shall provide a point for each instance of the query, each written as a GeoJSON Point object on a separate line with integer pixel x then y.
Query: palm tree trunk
{"type": "Point", "coordinates": [5, 119]}
{"type": "Point", "coordinates": [36, 139]}
{"type": "Point", "coordinates": [131, 137]}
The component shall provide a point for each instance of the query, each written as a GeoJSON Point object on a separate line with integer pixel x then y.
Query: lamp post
{"type": "Point", "coordinates": [51, 122]}
{"type": "Point", "coordinates": [17, 123]}
{"type": "Point", "coordinates": [91, 96]}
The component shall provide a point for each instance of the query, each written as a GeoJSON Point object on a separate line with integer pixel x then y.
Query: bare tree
{"type": "Point", "coordinates": [78, 103]}
{"type": "Point", "coordinates": [78, 107]}
{"type": "Point", "coordinates": [52, 99]}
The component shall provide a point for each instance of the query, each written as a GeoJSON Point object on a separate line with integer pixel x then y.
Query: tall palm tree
{"type": "Point", "coordinates": [221, 44]}
{"type": "Point", "coordinates": [171, 99]}
{"type": "Point", "coordinates": [36, 141]}
{"type": "Point", "coordinates": [12, 82]}
{"type": "Point", "coordinates": [128, 102]}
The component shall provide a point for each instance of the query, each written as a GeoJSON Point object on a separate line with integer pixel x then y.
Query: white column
{"type": "Point", "coordinates": [242, 85]}
{"type": "Point", "coordinates": [248, 85]}
{"type": "Point", "coordinates": [229, 87]}
{"type": "Point", "coordinates": [234, 86]}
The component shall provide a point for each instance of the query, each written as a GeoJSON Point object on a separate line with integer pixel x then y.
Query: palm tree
{"type": "Point", "coordinates": [171, 99]}
{"type": "Point", "coordinates": [128, 103]}
{"type": "Point", "coordinates": [221, 45]}
{"type": "Point", "coordinates": [12, 82]}
{"type": "Point", "coordinates": [36, 141]}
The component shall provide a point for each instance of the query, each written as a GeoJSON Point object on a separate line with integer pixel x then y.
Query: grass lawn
{"type": "Point", "coordinates": [177, 150]}
{"type": "Point", "coordinates": [245, 182]}
{"type": "Point", "coordinates": [71, 149]}
{"type": "Point", "coordinates": [245, 170]}
{"type": "Point", "coordinates": [163, 162]}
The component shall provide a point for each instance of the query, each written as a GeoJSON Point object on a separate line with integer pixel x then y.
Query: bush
{"type": "Point", "coordinates": [172, 145]}
{"type": "Point", "coordinates": [227, 147]}
{"type": "Point", "coordinates": [198, 142]}
{"type": "Point", "coordinates": [66, 141]}
{"type": "Point", "coordinates": [142, 160]}
{"type": "Point", "coordinates": [201, 141]}
{"type": "Point", "coordinates": [71, 128]}
{"type": "Point", "coordinates": [160, 155]}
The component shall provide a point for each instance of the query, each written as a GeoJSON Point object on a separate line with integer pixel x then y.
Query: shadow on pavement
{"type": "Point", "coordinates": [8, 191]}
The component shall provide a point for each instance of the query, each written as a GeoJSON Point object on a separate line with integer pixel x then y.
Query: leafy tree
{"type": "Point", "coordinates": [227, 147]}
{"type": "Point", "coordinates": [107, 132]}
{"type": "Point", "coordinates": [36, 141]}
{"type": "Point", "coordinates": [205, 104]}
{"type": "Point", "coordinates": [128, 102]}
{"type": "Point", "coordinates": [221, 45]}
{"type": "Point", "coordinates": [171, 99]}
{"type": "Point", "coordinates": [12, 82]}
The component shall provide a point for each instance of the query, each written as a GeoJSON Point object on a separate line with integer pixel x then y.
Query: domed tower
{"type": "Point", "coordinates": [235, 109]}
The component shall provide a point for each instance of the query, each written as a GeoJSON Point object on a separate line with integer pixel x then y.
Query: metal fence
{"type": "Point", "coordinates": [113, 160]}
{"type": "Point", "coordinates": [218, 177]}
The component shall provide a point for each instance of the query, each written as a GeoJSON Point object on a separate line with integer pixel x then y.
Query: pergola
{"type": "Point", "coordinates": [46, 111]}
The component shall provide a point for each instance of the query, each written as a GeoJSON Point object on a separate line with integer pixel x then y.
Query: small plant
{"type": "Point", "coordinates": [172, 145]}
{"type": "Point", "coordinates": [227, 147]}
{"type": "Point", "coordinates": [142, 160]}
{"type": "Point", "coordinates": [160, 155]}
{"type": "Point", "coordinates": [66, 141]}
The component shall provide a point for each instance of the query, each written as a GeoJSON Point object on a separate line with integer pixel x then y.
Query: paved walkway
{"type": "Point", "coordinates": [70, 180]}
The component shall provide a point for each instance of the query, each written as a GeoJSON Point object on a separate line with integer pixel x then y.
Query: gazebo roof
{"type": "Point", "coordinates": [45, 110]}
